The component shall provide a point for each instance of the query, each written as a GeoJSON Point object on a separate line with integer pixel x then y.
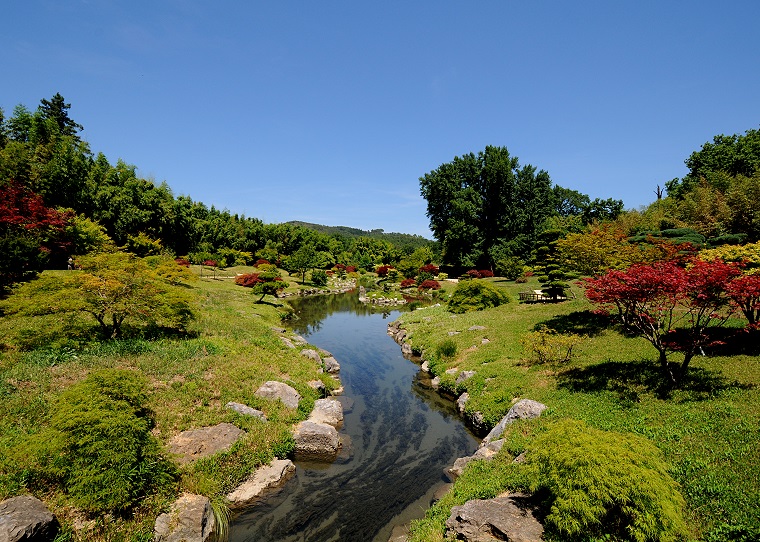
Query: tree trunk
{"type": "Point", "coordinates": [671, 377]}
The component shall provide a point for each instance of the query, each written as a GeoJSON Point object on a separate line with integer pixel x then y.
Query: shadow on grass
{"type": "Point", "coordinates": [578, 322]}
{"type": "Point", "coordinates": [631, 379]}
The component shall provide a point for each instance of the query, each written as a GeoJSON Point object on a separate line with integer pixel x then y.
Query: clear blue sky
{"type": "Point", "coordinates": [330, 111]}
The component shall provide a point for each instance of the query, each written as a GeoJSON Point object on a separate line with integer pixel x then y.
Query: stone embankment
{"type": "Point", "coordinates": [508, 516]}
{"type": "Point", "coordinates": [190, 518]}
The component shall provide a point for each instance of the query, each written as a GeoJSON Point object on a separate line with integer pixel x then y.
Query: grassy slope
{"type": "Point", "coordinates": [708, 431]}
{"type": "Point", "coordinates": [192, 379]}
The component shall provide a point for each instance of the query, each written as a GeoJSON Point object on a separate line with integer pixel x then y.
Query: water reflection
{"type": "Point", "coordinates": [401, 439]}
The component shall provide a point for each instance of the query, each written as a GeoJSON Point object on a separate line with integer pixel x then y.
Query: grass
{"type": "Point", "coordinates": [232, 351]}
{"type": "Point", "coordinates": [708, 430]}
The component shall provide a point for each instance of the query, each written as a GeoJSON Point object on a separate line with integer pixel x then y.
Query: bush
{"type": "Point", "coordinates": [423, 276]}
{"type": "Point", "coordinates": [408, 283]}
{"type": "Point", "coordinates": [319, 277]}
{"type": "Point", "coordinates": [429, 268]}
{"type": "Point", "coordinates": [430, 285]}
{"type": "Point", "coordinates": [475, 295]}
{"type": "Point", "coordinates": [446, 349]}
{"type": "Point", "coordinates": [604, 485]}
{"type": "Point", "coordinates": [382, 270]}
{"type": "Point", "coordinates": [548, 346]}
{"type": "Point", "coordinates": [472, 274]}
{"type": "Point", "coordinates": [485, 273]}
{"type": "Point", "coordinates": [101, 447]}
{"type": "Point", "coordinates": [510, 268]}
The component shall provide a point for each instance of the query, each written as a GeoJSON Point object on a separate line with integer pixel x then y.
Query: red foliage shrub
{"type": "Point", "coordinates": [408, 283]}
{"type": "Point", "coordinates": [340, 267]}
{"type": "Point", "coordinates": [430, 285]}
{"type": "Point", "coordinates": [262, 261]}
{"type": "Point", "coordinates": [485, 273]}
{"type": "Point", "coordinates": [350, 269]}
{"type": "Point", "coordinates": [429, 268]}
{"type": "Point", "coordinates": [473, 274]}
{"type": "Point", "coordinates": [249, 280]}
{"type": "Point", "coordinates": [183, 262]}
{"type": "Point", "coordinates": [210, 263]}
{"type": "Point", "coordinates": [382, 271]}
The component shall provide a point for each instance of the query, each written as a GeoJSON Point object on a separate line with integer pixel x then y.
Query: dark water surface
{"type": "Point", "coordinates": [402, 437]}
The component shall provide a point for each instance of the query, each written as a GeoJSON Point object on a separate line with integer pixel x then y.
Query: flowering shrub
{"type": "Point", "coordinates": [408, 283]}
{"type": "Point", "coordinates": [430, 285]}
{"type": "Point", "coordinates": [429, 268]}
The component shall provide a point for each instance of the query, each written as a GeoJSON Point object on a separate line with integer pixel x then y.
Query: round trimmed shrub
{"type": "Point", "coordinates": [476, 295]}
{"type": "Point", "coordinates": [601, 485]}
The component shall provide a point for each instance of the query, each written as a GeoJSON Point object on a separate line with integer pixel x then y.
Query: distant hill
{"type": "Point", "coordinates": [346, 231]}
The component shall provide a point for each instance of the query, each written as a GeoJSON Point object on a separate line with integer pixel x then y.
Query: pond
{"type": "Point", "coordinates": [402, 437]}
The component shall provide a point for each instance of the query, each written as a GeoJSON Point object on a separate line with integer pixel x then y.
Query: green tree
{"type": "Point", "coordinates": [302, 260]}
{"type": "Point", "coordinates": [112, 288]}
{"type": "Point", "coordinates": [477, 202]}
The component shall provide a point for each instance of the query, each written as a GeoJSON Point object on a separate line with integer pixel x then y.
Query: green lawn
{"type": "Point", "coordinates": [708, 430]}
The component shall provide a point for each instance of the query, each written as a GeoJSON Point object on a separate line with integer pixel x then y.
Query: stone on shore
{"type": "Point", "coordinates": [522, 410]}
{"type": "Point", "coordinates": [196, 443]}
{"type": "Point", "coordinates": [266, 480]}
{"type": "Point", "coordinates": [316, 442]}
{"type": "Point", "coordinates": [190, 519]}
{"type": "Point", "coordinates": [327, 411]}
{"type": "Point", "coordinates": [331, 365]}
{"type": "Point", "coordinates": [25, 518]}
{"type": "Point", "coordinates": [503, 518]}
{"type": "Point", "coordinates": [273, 390]}
{"type": "Point", "coordinates": [245, 410]}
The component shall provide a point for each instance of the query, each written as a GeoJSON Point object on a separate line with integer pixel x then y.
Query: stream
{"type": "Point", "coordinates": [402, 436]}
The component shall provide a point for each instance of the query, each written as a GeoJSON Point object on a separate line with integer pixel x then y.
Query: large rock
{"type": "Point", "coordinates": [311, 354]}
{"type": "Point", "coordinates": [196, 443]}
{"type": "Point", "coordinates": [316, 441]}
{"type": "Point", "coordinates": [327, 411]}
{"type": "Point", "coordinates": [26, 518]}
{"type": "Point", "coordinates": [190, 519]}
{"type": "Point", "coordinates": [464, 376]}
{"type": "Point", "coordinates": [266, 480]}
{"type": "Point", "coordinates": [522, 410]}
{"type": "Point", "coordinates": [273, 390]}
{"type": "Point", "coordinates": [503, 518]}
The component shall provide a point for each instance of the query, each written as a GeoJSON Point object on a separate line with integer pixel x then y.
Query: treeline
{"type": "Point", "coordinates": [44, 163]}
{"type": "Point", "coordinates": [488, 211]}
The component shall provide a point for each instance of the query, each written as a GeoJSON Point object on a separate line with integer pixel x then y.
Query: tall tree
{"type": "Point", "coordinates": [477, 202]}
{"type": "Point", "coordinates": [57, 109]}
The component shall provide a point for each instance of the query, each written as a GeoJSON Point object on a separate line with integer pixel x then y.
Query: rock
{"type": "Point", "coordinates": [425, 366]}
{"type": "Point", "coordinates": [245, 410]}
{"type": "Point", "coordinates": [278, 329]}
{"type": "Point", "coordinates": [503, 518]}
{"type": "Point", "coordinates": [317, 385]}
{"type": "Point", "coordinates": [196, 443]}
{"type": "Point", "coordinates": [462, 402]}
{"type": "Point", "coordinates": [287, 342]}
{"type": "Point", "coordinates": [406, 349]}
{"type": "Point", "coordinates": [327, 411]}
{"type": "Point", "coordinates": [400, 336]}
{"type": "Point", "coordinates": [464, 375]}
{"type": "Point", "coordinates": [436, 383]}
{"type": "Point", "coordinates": [331, 365]}
{"type": "Point", "coordinates": [452, 333]}
{"type": "Point", "coordinates": [324, 353]}
{"type": "Point", "coordinates": [266, 480]}
{"type": "Point", "coordinates": [477, 421]}
{"type": "Point", "coordinates": [485, 453]}
{"type": "Point", "coordinates": [189, 519]}
{"type": "Point", "coordinates": [484, 341]}
{"type": "Point", "coordinates": [25, 518]}
{"type": "Point", "coordinates": [316, 441]}
{"type": "Point", "coordinates": [400, 533]}
{"type": "Point", "coordinates": [452, 371]}
{"type": "Point", "coordinates": [311, 354]}
{"type": "Point", "coordinates": [299, 340]}
{"type": "Point", "coordinates": [476, 328]}
{"type": "Point", "coordinates": [522, 410]}
{"type": "Point", "coordinates": [273, 390]}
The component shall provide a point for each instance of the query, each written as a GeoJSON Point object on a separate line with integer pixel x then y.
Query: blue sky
{"type": "Point", "coordinates": [330, 111]}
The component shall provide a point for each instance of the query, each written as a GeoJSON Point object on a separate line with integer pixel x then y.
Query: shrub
{"type": "Point", "coordinates": [101, 447]}
{"type": "Point", "coordinates": [604, 485]}
{"type": "Point", "coordinates": [382, 270]}
{"type": "Point", "coordinates": [474, 295]}
{"type": "Point", "coordinates": [442, 276]}
{"type": "Point", "coordinates": [319, 277]}
{"type": "Point", "coordinates": [548, 346]}
{"type": "Point", "coordinates": [350, 269]}
{"type": "Point", "coordinates": [429, 268]}
{"type": "Point", "coordinates": [510, 268]}
{"type": "Point", "coordinates": [408, 283]}
{"type": "Point", "coordinates": [248, 280]}
{"type": "Point", "coordinates": [472, 274]}
{"type": "Point", "coordinates": [184, 262]}
{"type": "Point", "coordinates": [430, 285]}
{"type": "Point", "coordinates": [422, 277]}
{"type": "Point", "coordinates": [262, 261]}
{"type": "Point", "coordinates": [446, 349]}
{"type": "Point", "coordinates": [485, 273]}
